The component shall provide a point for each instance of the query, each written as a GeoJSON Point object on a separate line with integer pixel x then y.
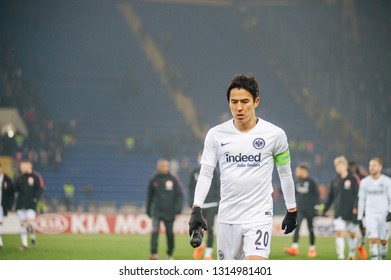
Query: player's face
{"type": "Point", "coordinates": [25, 167]}
{"type": "Point", "coordinates": [374, 167]}
{"type": "Point", "coordinates": [242, 105]}
{"type": "Point", "coordinates": [301, 173]}
{"type": "Point", "coordinates": [341, 168]}
{"type": "Point", "coordinates": [162, 167]}
{"type": "Point", "coordinates": [298, 172]}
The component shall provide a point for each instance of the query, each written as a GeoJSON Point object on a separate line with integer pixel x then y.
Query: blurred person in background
{"type": "Point", "coordinates": [209, 209]}
{"type": "Point", "coordinates": [6, 198]}
{"type": "Point", "coordinates": [307, 199]}
{"type": "Point", "coordinates": [28, 191]}
{"type": "Point", "coordinates": [164, 202]}
{"type": "Point", "coordinates": [343, 194]}
{"type": "Point", "coordinates": [41, 203]}
{"type": "Point", "coordinates": [374, 199]}
{"type": "Point", "coordinates": [360, 173]}
{"type": "Point", "coordinates": [69, 196]}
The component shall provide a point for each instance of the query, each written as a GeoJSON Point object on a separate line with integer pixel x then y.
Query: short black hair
{"type": "Point", "coordinates": [245, 81]}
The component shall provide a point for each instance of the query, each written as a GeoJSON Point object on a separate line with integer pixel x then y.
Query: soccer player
{"type": "Point", "coordinates": [359, 172]}
{"type": "Point", "coordinates": [343, 194]}
{"type": "Point", "coordinates": [246, 148]}
{"type": "Point", "coordinates": [41, 207]}
{"type": "Point", "coordinates": [307, 196]}
{"type": "Point", "coordinates": [210, 209]}
{"type": "Point", "coordinates": [375, 200]}
{"type": "Point", "coordinates": [6, 198]}
{"type": "Point", "coordinates": [28, 191]}
{"type": "Point", "coordinates": [164, 202]}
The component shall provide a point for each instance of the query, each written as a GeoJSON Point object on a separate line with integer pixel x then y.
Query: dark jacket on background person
{"type": "Point", "coordinates": [165, 197]}
{"type": "Point", "coordinates": [344, 194]}
{"type": "Point", "coordinates": [307, 195]}
{"type": "Point", "coordinates": [7, 194]}
{"type": "Point", "coordinates": [28, 190]}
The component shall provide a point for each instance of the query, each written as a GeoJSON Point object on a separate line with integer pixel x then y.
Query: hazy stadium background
{"type": "Point", "coordinates": [153, 74]}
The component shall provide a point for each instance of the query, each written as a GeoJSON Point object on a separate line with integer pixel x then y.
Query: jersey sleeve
{"type": "Point", "coordinates": [203, 185]}
{"type": "Point", "coordinates": [281, 149]}
{"type": "Point", "coordinates": [209, 154]}
{"type": "Point", "coordinates": [282, 160]}
{"type": "Point", "coordinates": [287, 185]}
{"type": "Point", "coordinates": [356, 190]}
{"type": "Point", "coordinates": [330, 198]}
{"type": "Point", "coordinates": [361, 200]}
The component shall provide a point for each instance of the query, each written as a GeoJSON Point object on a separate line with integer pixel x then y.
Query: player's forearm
{"type": "Point", "coordinates": [203, 185]}
{"type": "Point", "coordinates": [287, 186]}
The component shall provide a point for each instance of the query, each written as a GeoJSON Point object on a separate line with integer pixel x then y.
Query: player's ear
{"type": "Point", "coordinates": [257, 101]}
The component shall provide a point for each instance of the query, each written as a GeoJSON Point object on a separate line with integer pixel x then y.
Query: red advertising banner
{"type": "Point", "coordinates": [94, 223]}
{"type": "Point", "coordinates": [81, 223]}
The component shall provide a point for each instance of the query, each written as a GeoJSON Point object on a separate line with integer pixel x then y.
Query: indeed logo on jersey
{"type": "Point", "coordinates": [244, 160]}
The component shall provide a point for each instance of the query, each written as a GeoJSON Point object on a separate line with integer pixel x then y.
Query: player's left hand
{"type": "Point", "coordinates": [196, 220]}
{"type": "Point", "coordinates": [388, 219]}
{"type": "Point", "coordinates": [290, 222]}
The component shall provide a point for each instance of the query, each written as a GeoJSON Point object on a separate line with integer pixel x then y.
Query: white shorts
{"type": "Point", "coordinates": [26, 215]}
{"type": "Point", "coordinates": [237, 241]}
{"type": "Point", "coordinates": [1, 214]}
{"type": "Point", "coordinates": [342, 225]}
{"type": "Point", "coordinates": [377, 227]}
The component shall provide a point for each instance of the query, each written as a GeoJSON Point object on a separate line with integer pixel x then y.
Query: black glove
{"type": "Point", "coordinates": [290, 222]}
{"type": "Point", "coordinates": [388, 219]}
{"type": "Point", "coordinates": [196, 220]}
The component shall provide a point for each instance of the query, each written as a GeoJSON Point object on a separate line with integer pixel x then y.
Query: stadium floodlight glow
{"type": "Point", "coordinates": [8, 129]}
{"type": "Point", "coordinates": [10, 133]}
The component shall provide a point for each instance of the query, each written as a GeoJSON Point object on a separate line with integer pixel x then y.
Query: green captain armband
{"type": "Point", "coordinates": [283, 158]}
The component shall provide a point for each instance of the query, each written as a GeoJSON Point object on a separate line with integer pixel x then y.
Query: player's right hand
{"type": "Point", "coordinates": [388, 219]}
{"type": "Point", "coordinates": [196, 220]}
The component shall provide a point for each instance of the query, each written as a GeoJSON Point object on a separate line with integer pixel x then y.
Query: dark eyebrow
{"type": "Point", "coordinates": [244, 99]}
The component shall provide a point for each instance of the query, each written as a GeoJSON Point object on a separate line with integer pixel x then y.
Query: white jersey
{"type": "Point", "coordinates": [246, 162]}
{"type": "Point", "coordinates": [374, 196]}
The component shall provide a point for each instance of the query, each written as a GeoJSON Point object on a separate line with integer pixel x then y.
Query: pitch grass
{"type": "Point", "coordinates": [136, 247]}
